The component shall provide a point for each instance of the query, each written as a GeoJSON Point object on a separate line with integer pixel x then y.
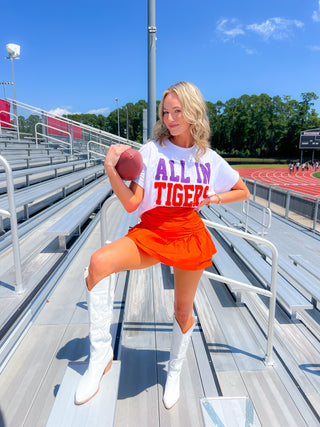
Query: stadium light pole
{"type": "Point", "coordinates": [127, 122]}
{"type": "Point", "coordinates": [14, 52]}
{"type": "Point", "coordinates": [152, 114]}
{"type": "Point", "coordinates": [117, 101]}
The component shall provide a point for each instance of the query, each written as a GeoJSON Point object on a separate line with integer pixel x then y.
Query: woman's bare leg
{"type": "Point", "coordinates": [122, 254]}
{"type": "Point", "coordinates": [185, 286]}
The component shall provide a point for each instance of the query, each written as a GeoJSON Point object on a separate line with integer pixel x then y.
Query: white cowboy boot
{"type": "Point", "coordinates": [100, 306]}
{"type": "Point", "coordinates": [179, 346]}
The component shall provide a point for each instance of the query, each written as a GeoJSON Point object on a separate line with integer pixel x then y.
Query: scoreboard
{"type": "Point", "coordinates": [310, 139]}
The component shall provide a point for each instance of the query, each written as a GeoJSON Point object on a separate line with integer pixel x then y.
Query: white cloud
{"type": "Point", "coordinates": [315, 48]}
{"type": "Point", "coordinates": [230, 28]}
{"type": "Point", "coordinates": [59, 111]}
{"type": "Point", "coordinates": [250, 51]}
{"type": "Point", "coordinates": [316, 14]}
{"type": "Point", "coordinates": [276, 28]}
{"type": "Point", "coordinates": [104, 111]}
{"type": "Point", "coordinates": [273, 28]}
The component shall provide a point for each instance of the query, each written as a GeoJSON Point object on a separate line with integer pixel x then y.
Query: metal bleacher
{"type": "Point", "coordinates": [226, 380]}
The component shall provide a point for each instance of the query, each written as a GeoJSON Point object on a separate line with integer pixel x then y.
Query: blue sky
{"type": "Point", "coordinates": [78, 56]}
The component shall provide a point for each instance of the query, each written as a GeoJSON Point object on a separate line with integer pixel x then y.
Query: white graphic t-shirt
{"type": "Point", "coordinates": [172, 177]}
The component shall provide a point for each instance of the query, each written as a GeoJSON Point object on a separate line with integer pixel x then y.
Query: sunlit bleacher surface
{"type": "Point", "coordinates": [65, 211]}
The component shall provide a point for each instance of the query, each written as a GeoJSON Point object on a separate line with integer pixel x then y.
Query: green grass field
{"type": "Point", "coordinates": [257, 165]}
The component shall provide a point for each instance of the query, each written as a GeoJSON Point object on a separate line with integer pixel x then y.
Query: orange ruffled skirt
{"type": "Point", "coordinates": [175, 236]}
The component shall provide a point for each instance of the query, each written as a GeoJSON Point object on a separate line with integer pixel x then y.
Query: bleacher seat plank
{"type": "Point", "coordinates": [272, 401]}
{"type": "Point", "coordinates": [291, 300]}
{"type": "Point", "coordinates": [306, 265]}
{"type": "Point", "coordinates": [41, 169]}
{"type": "Point", "coordinates": [73, 219]}
{"type": "Point", "coordinates": [22, 151]}
{"type": "Point", "coordinates": [34, 161]}
{"type": "Point", "coordinates": [302, 278]}
{"type": "Point", "coordinates": [98, 412]}
{"type": "Point", "coordinates": [27, 195]}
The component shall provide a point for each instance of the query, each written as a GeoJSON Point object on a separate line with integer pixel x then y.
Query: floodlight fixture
{"type": "Point", "coordinates": [13, 50]}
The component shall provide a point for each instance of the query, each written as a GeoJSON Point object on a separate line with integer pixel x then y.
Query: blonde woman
{"type": "Point", "coordinates": [180, 174]}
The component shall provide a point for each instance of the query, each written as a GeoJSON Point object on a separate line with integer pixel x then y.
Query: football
{"type": "Point", "coordinates": [129, 165]}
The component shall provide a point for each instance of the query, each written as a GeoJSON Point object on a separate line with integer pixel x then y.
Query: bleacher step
{"type": "Point", "coordinates": [99, 411]}
{"type": "Point", "coordinates": [228, 412]}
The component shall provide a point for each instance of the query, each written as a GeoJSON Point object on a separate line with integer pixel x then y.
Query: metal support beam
{"type": "Point", "coordinates": [152, 114]}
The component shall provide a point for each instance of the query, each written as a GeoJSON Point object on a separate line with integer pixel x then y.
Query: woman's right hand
{"type": "Point", "coordinates": [112, 157]}
{"type": "Point", "coordinates": [131, 196]}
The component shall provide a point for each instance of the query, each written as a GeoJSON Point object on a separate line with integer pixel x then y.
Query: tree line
{"type": "Point", "coordinates": [260, 125]}
{"type": "Point", "coordinates": [252, 125]}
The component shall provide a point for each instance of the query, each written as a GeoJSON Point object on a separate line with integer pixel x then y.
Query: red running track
{"type": "Point", "coordinates": [303, 182]}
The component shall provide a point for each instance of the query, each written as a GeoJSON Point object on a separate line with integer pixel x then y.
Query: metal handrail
{"type": "Point", "coordinates": [14, 225]}
{"type": "Point", "coordinates": [14, 126]}
{"type": "Point", "coordinates": [272, 293]}
{"type": "Point", "coordinates": [99, 133]}
{"type": "Point", "coordinates": [56, 139]}
{"type": "Point", "coordinates": [266, 215]}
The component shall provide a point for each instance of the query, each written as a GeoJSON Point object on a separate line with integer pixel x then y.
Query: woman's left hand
{"type": "Point", "coordinates": [211, 199]}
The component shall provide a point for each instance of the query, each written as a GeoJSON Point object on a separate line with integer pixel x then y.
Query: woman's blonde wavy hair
{"type": "Point", "coordinates": [194, 112]}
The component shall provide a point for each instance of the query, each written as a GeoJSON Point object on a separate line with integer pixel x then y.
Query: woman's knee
{"type": "Point", "coordinates": [100, 264]}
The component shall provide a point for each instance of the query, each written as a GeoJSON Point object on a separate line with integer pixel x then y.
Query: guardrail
{"type": "Point", "coordinates": [89, 133]}
{"type": "Point", "coordinates": [271, 294]}
{"type": "Point", "coordinates": [14, 225]}
{"type": "Point", "coordinates": [301, 208]}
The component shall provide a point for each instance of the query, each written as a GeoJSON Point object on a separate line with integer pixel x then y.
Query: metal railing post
{"type": "Point", "coordinates": [104, 225]}
{"type": "Point", "coordinates": [316, 210]}
{"type": "Point", "coordinates": [269, 196]}
{"type": "Point", "coordinates": [272, 294]}
{"type": "Point", "coordinates": [288, 197]}
{"type": "Point", "coordinates": [14, 226]}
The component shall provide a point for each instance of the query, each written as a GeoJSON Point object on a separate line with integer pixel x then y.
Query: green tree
{"type": "Point", "coordinates": [27, 125]}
